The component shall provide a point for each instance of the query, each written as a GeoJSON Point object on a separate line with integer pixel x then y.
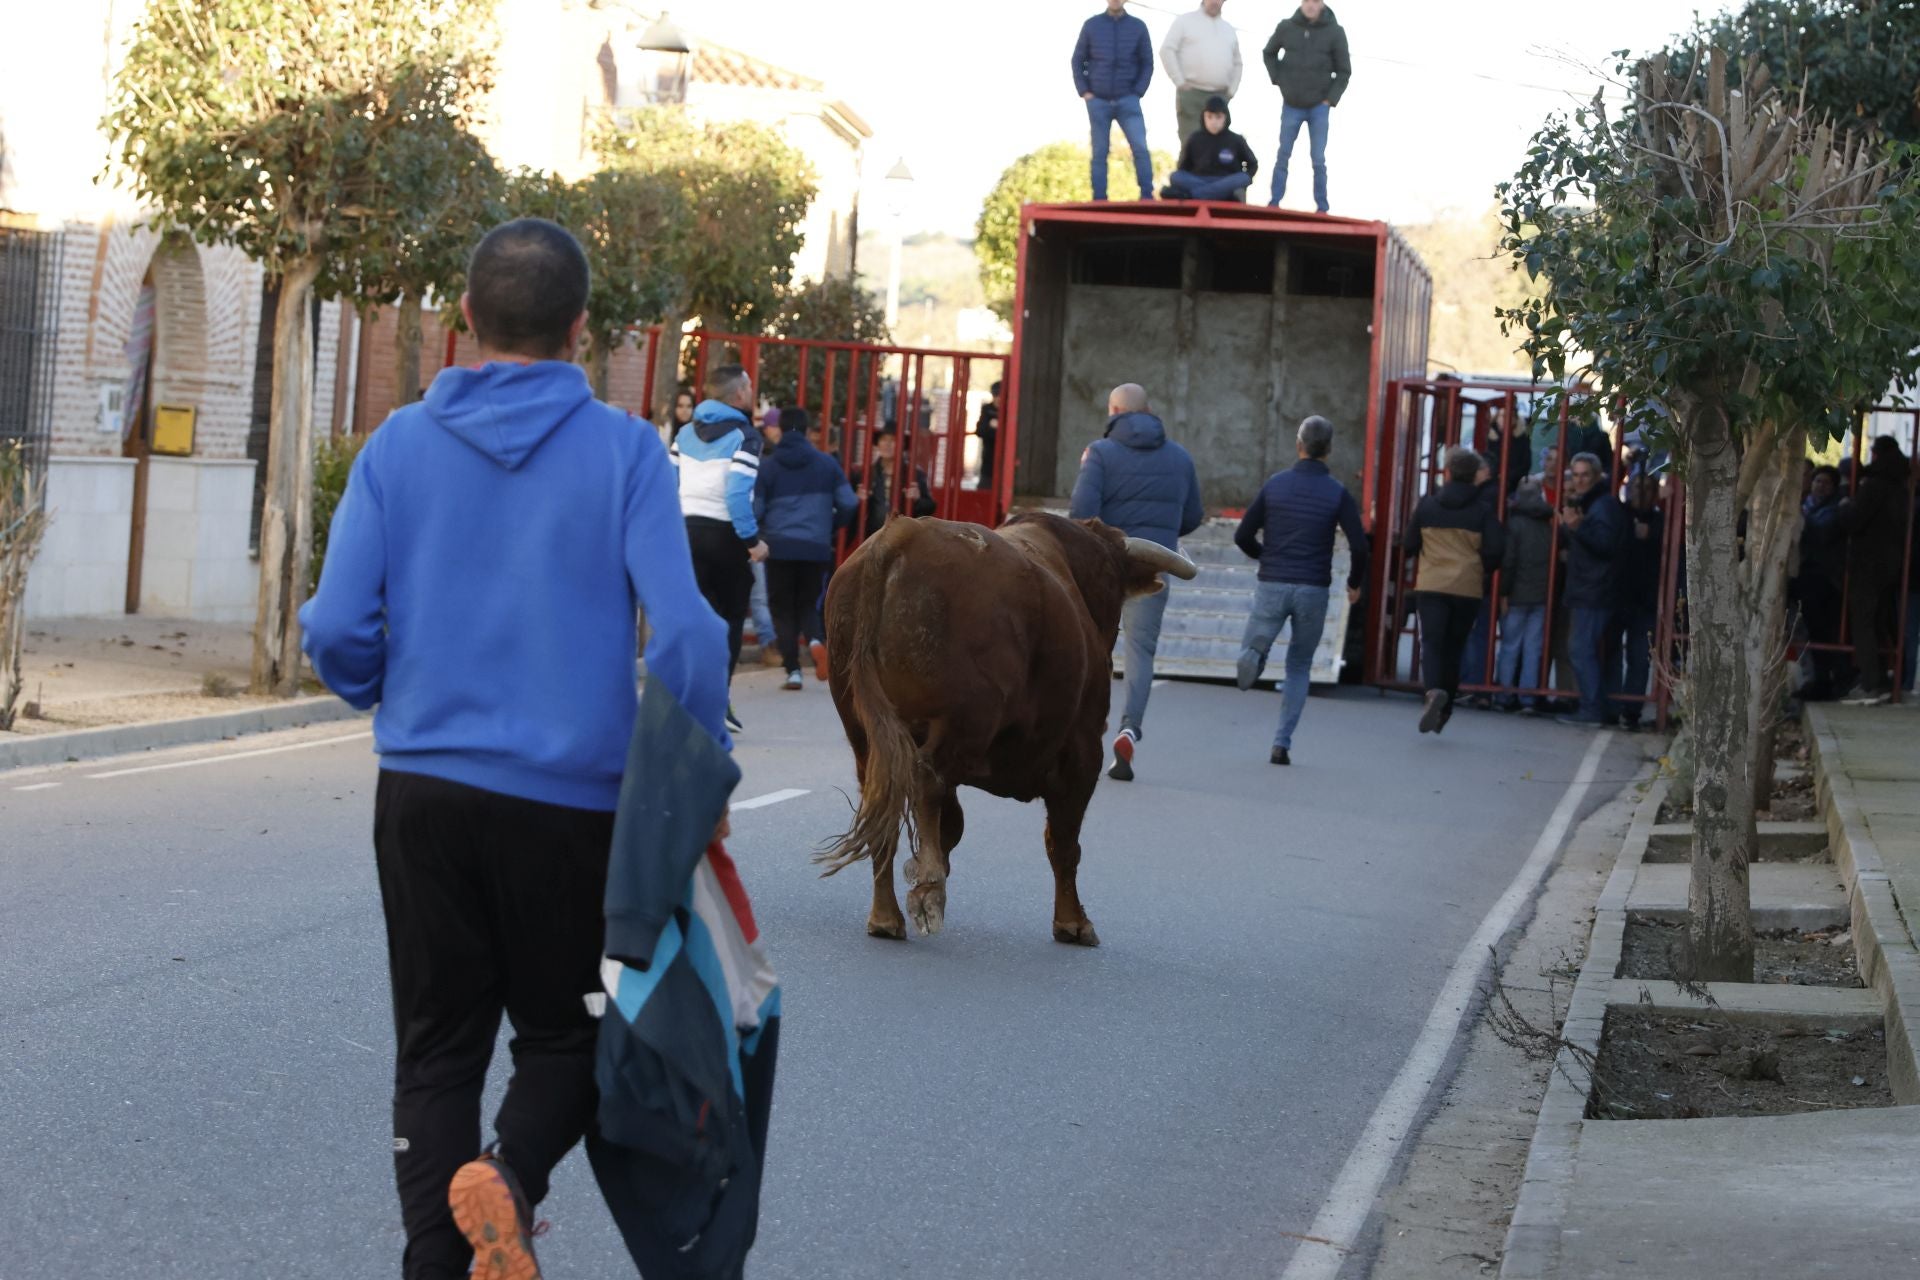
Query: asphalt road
{"type": "Point", "coordinates": [195, 1040]}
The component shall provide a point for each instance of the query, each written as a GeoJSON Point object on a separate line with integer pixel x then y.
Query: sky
{"type": "Point", "coordinates": [1443, 100]}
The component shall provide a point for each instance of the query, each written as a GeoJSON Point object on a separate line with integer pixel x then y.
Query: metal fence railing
{"type": "Point", "coordinates": [29, 315]}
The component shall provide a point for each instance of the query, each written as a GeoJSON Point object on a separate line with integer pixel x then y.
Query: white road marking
{"type": "Point", "coordinates": [1158, 683]}
{"type": "Point", "coordinates": [235, 755]}
{"type": "Point", "coordinates": [772, 797]}
{"type": "Point", "coordinates": [39, 786]}
{"type": "Point", "coordinates": [1347, 1205]}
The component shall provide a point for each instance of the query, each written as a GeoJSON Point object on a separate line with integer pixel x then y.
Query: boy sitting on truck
{"type": "Point", "coordinates": [1216, 163]}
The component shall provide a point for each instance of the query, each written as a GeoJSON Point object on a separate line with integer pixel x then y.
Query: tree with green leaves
{"type": "Point", "coordinates": [281, 129]}
{"type": "Point", "coordinates": [1057, 173]}
{"type": "Point", "coordinates": [1739, 274]}
{"type": "Point", "coordinates": [744, 193]}
{"type": "Point", "coordinates": [832, 309]}
{"type": "Point", "coordinates": [1858, 62]}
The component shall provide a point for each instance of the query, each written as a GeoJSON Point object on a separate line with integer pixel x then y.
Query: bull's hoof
{"type": "Point", "coordinates": [927, 904]}
{"type": "Point", "coordinates": [895, 928]}
{"type": "Point", "coordinates": [1079, 934]}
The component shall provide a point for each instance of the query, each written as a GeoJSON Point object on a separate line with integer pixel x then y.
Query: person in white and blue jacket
{"type": "Point", "coordinates": [718, 455]}
{"type": "Point", "coordinates": [801, 497]}
{"type": "Point", "coordinates": [480, 588]}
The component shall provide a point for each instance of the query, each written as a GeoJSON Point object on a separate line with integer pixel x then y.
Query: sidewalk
{"type": "Point", "coordinates": [1815, 1192]}
{"type": "Point", "coordinates": [87, 673]}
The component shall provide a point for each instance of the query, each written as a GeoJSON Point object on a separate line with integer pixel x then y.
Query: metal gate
{"type": "Point", "coordinates": [29, 311]}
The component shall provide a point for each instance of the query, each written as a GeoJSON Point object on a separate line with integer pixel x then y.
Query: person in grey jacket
{"type": "Point", "coordinates": [1523, 596]}
{"type": "Point", "coordinates": [1144, 485]}
{"type": "Point", "coordinates": [1307, 58]}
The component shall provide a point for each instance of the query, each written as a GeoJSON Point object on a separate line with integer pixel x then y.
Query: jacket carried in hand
{"type": "Point", "coordinates": [691, 1021]}
{"type": "Point", "coordinates": [1309, 60]}
{"type": "Point", "coordinates": [1113, 57]}
{"type": "Point", "coordinates": [1288, 527]}
{"type": "Point", "coordinates": [801, 497]}
{"type": "Point", "coordinates": [1139, 482]}
{"type": "Point", "coordinates": [1528, 561]}
{"type": "Point", "coordinates": [1458, 537]}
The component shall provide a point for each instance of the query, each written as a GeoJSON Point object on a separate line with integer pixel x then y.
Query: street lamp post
{"type": "Point", "coordinates": [899, 184]}
{"type": "Point", "coordinates": [669, 62]}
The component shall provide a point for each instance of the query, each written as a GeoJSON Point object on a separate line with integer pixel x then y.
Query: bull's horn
{"type": "Point", "coordinates": [1158, 557]}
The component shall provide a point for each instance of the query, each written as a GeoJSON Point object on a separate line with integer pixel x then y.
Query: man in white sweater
{"type": "Point", "coordinates": [1202, 56]}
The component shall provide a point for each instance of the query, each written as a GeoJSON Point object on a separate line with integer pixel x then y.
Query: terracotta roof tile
{"type": "Point", "coordinates": [716, 64]}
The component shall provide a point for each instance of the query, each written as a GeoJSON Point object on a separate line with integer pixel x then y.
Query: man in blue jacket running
{"type": "Point", "coordinates": [1112, 67]}
{"type": "Point", "coordinates": [1144, 485]}
{"type": "Point", "coordinates": [1289, 528]}
{"type": "Point", "coordinates": [479, 588]}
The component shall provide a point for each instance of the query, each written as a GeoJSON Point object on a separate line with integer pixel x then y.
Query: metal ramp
{"type": "Point", "coordinates": [1206, 618]}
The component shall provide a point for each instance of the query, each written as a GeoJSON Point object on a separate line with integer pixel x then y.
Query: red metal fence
{"type": "Point", "coordinates": [1425, 418]}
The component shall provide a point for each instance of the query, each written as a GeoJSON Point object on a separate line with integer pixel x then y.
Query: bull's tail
{"type": "Point", "coordinates": [894, 763]}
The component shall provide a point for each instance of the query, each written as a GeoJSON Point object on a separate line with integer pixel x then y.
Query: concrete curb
{"type": "Point", "coordinates": [127, 739]}
{"type": "Point", "coordinates": [1889, 961]}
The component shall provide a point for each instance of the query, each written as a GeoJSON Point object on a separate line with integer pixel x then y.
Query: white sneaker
{"type": "Point", "coordinates": [794, 681]}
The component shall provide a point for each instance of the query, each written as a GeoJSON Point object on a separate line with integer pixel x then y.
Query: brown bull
{"type": "Point", "coordinates": [963, 656]}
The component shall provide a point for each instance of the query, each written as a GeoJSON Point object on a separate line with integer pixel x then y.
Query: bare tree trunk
{"type": "Point", "coordinates": [666, 366]}
{"type": "Point", "coordinates": [23, 521]}
{"type": "Point", "coordinates": [406, 351]}
{"type": "Point", "coordinates": [1720, 922]}
{"type": "Point", "coordinates": [286, 525]}
{"type": "Point", "coordinates": [1773, 527]}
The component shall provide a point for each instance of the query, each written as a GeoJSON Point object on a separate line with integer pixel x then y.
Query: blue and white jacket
{"type": "Point", "coordinates": [718, 455]}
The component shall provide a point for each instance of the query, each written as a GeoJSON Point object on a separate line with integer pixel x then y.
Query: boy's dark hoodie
{"type": "Point", "coordinates": [1218, 155]}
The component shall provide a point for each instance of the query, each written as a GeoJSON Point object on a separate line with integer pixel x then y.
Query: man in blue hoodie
{"type": "Point", "coordinates": [718, 456]}
{"type": "Point", "coordinates": [1112, 67]}
{"type": "Point", "coordinates": [1144, 485]}
{"type": "Point", "coordinates": [480, 588]}
{"type": "Point", "coordinates": [801, 497]}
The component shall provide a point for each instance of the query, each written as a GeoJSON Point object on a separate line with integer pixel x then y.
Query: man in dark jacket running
{"type": "Point", "coordinates": [1144, 485]}
{"type": "Point", "coordinates": [1112, 66]}
{"type": "Point", "coordinates": [506, 705]}
{"type": "Point", "coordinates": [1458, 539]}
{"type": "Point", "coordinates": [1307, 58]}
{"type": "Point", "coordinates": [1289, 528]}
{"type": "Point", "coordinates": [1216, 163]}
{"type": "Point", "coordinates": [801, 497]}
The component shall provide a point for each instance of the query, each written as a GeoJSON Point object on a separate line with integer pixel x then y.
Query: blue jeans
{"type": "Point", "coordinates": [1590, 651]}
{"type": "Point", "coordinates": [1274, 605]}
{"type": "Point", "coordinates": [1315, 118]}
{"type": "Point", "coordinates": [1630, 641]}
{"type": "Point", "coordinates": [1191, 186]}
{"type": "Point", "coordinates": [757, 607]}
{"type": "Point", "coordinates": [1523, 633]}
{"type": "Point", "coordinates": [1140, 631]}
{"type": "Point", "coordinates": [1103, 114]}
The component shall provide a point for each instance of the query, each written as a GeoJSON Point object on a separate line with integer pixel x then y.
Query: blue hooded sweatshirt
{"type": "Point", "coordinates": [1139, 482]}
{"type": "Point", "coordinates": [718, 457]}
{"type": "Point", "coordinates": [480, 584]}
{"type": "Point", "coordinates": [802, 496]}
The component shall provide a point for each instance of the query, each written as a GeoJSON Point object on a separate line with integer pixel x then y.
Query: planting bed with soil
{"type": "Point", "coordinates": [1657, 1067]}
{"type": "Point", "coordinates": [1652, 947]}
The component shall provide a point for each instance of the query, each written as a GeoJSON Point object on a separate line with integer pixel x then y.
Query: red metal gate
{"type": "Point", "coordinates": [1425, 418]}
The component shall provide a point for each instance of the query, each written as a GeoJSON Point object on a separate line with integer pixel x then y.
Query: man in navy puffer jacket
{"type": "Point", "coordinates": [801, 497]}
{"type": "Point", "coordinates": [1144, 485]}
{"type": "Point", "coordinates": [1112, 67]}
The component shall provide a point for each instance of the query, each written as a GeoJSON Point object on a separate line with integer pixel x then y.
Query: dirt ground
{"type": "Point", "coordinates": [1779, 955]}
{"type": "Point", "coordinates": [1447, 1216]}
{"type": "Point", "coordinates": [1654, 1067]}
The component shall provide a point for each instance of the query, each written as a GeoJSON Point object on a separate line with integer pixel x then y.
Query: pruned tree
{"type": "Point", "coordinates": [744, 193]}
{"type": "Point", "coordinates": [1739, 273]}
{"type": "Point", "coordinates": [270, 126]}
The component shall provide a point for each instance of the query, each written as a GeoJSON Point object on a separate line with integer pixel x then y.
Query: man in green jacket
{"type": "Point", "coordinates": [1307, 58]}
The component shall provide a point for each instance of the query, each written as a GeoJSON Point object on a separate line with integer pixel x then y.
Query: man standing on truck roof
{"type": "Point", "coordinates": [1202, 57]}
{"type": "Point", "coordinates": [1289, 528]}
{"type": "Point", "coordinates": [1146, 486]}
{"type": "Point", "coordinates": [1112, 66]}
{"type": "Point", "coordinates": [1307, 58]}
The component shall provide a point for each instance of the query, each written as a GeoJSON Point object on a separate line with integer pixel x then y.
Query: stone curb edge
{"type": "Point", "coordinates": [1533, 1236]}
{"type": "Point", "coordinates": [128, 739]}
{"type": "Point", "coordinates": [1889, 961]}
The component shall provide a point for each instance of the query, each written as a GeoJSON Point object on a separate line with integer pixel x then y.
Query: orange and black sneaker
{"type": "Point", "coordinates": [818, 652]}
{"type": "Point", "coordinates": [493, 1214]}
